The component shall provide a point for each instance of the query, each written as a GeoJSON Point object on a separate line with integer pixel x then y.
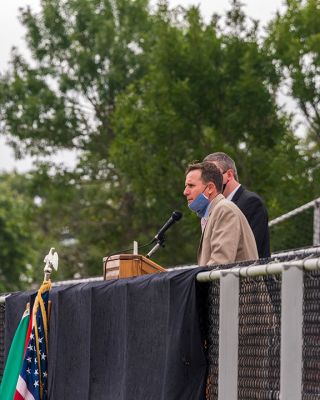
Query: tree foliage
{"type": "Point", "coordinates": [294, 43]}
{"type": "Point", "coordinates": [84, 53]}
{"type": "Point", "coordinates": [16, 234]}
{"type": "Point", "coordinates": [140, 94]}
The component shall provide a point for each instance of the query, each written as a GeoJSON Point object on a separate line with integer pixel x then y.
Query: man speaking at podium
{"type": "Point", "coordinates": [226, 235]}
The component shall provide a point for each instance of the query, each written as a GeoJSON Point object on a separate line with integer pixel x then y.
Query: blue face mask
{"type": "Point", "coordinates": [199, 205]}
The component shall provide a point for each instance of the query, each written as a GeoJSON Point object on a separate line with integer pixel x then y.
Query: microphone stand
{"type": "Point", "coordinates": [160, 243]}
{"type": "Point", "coordinates": [159, 238]}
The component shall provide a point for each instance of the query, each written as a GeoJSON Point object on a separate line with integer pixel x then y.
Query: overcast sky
{"type": "Point", "coordinates": [11, 34]}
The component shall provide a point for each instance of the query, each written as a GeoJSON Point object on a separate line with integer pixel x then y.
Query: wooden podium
{"type": "Point", "coordinates": [128, 265]}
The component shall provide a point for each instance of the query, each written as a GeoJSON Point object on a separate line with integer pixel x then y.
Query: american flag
{"type": "Point", "coordinates": [33, 379]}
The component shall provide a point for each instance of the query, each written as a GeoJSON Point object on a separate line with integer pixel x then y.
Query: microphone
{"type": "Point", "coordinates": [159, 238]}
{"type": "Point", "coordinates": [176, 216]}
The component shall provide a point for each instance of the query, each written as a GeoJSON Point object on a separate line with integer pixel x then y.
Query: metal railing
{"type": "Point", "coordinates": [315, 204]}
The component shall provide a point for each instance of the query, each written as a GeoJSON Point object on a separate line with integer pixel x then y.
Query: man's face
{"type": "Point", "coordinates": [194, 185]}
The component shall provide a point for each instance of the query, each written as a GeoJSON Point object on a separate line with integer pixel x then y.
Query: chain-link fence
{"type": "Point", "coordinates": [258, 339]}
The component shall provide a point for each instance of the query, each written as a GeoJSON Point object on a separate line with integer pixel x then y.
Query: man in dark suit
{"type": "Point", "coordinates": [249, 203]}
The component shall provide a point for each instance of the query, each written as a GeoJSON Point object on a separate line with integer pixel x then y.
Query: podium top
{"type": "Point", "coordinates": [124, 257]}
{"type": "Point", "coordinates": [127, 265]}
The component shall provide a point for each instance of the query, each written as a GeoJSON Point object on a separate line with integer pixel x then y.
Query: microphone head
{"type": "Point", "coordinates": [176, 215]}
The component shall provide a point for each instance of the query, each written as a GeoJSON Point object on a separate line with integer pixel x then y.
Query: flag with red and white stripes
{"type": "Point", "coordinates": [33, 379]}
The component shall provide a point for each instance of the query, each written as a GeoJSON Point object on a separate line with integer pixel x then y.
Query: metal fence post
{"type": "Point", "coordinates": [291, 333]}
{"type": "Point", "coordinates": [228, 336]}
{"type": "Point", "coordinates": [316, 223]}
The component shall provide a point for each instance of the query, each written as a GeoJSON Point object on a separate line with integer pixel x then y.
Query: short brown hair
{"type": "Point", "coordinates": [209, 173]}
{"type": "Point", "coordinates": [224, 161]}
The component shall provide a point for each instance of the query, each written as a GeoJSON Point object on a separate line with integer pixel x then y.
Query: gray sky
{"type": "Point", "coordinates": [11, 33]}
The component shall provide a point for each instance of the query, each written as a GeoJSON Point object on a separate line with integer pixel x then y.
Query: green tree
{"type": "Point", "coordinates": [16, 234]}
{"type": "Point", "coordinates": [294, 41]}
{"type": "Point", "coordinates": [84, 53]}
{"type": "Point", "coordinates": [140, 94]}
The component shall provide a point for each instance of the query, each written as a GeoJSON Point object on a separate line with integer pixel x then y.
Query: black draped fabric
{"type": "Point", "coordinates": [129, 339]}
{"type": "Point", "coordinates": [15, 306]}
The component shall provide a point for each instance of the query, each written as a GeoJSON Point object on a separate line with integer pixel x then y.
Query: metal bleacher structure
{"type": "Point", "coordinates": [261, 320]}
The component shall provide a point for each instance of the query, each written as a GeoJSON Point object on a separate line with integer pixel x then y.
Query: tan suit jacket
{"type": "Point", "coordinates": [227, 236]}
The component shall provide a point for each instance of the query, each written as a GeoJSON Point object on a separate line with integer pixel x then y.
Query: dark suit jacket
{"type": "Point", "coordinates": [256, 213]}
